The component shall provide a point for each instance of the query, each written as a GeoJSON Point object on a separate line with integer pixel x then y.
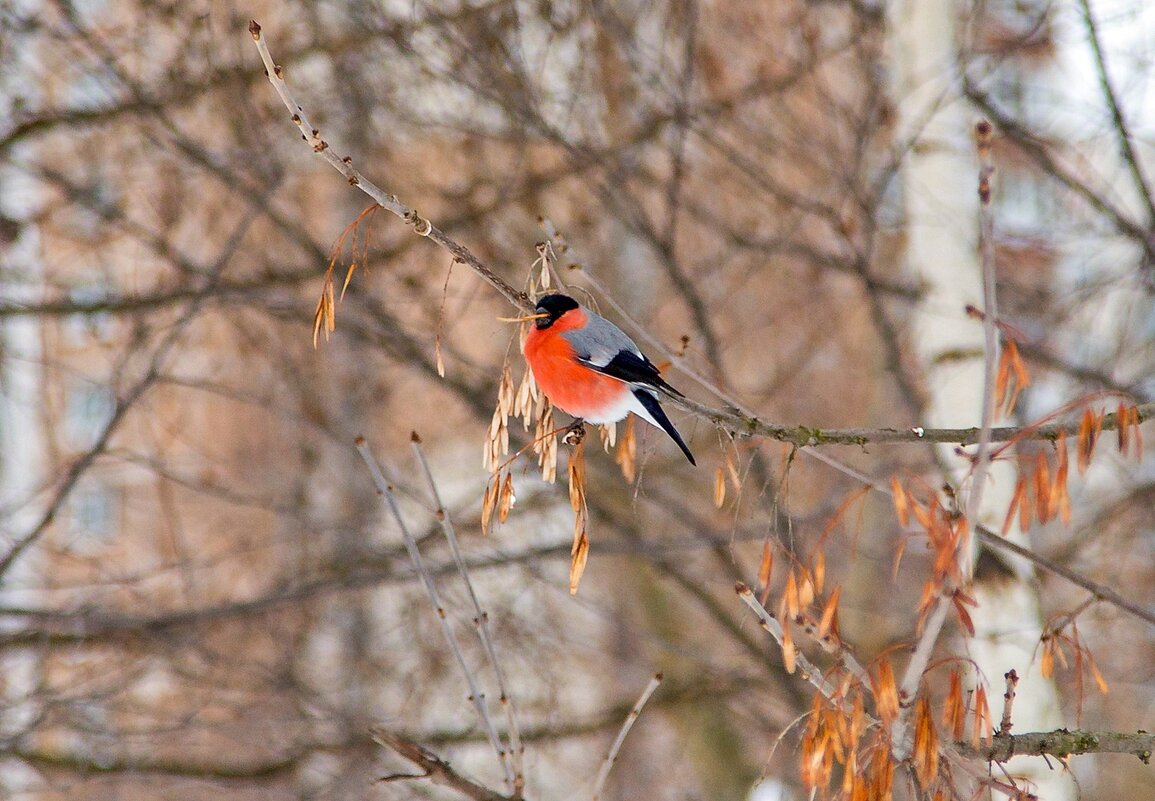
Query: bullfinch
{"type": "Point", "coordinates": [589, 368]}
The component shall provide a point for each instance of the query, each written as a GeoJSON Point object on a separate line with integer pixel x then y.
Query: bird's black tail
{"type": "Point", "coordinates": [647, 399]}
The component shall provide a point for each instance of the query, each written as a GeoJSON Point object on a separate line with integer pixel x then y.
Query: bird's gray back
{"type": "Point", "coordinates": [599, 341]}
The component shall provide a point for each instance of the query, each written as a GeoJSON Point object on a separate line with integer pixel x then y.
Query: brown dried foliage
{"type": "Point", "coordinates": [577, 500]}
{"type": "Point", "coordinates": [1012, 377]}
{"type": "Point", "coordinates": [925, 754]}
{"type": "Point", "coordinates": [627, 451]}
{"type": "Point", "coordinates": [947, 532]}
{"type": "Point", "coordinates": [954, 711]}
{"type": "Point", "coordinates": [1057, 640]}
{"type": "Point", "coordinates": [838, 735]}
{"type": "Point", "coordinates": [1041, 492]}
{"type": "Point", "coordinates": [325, 315]}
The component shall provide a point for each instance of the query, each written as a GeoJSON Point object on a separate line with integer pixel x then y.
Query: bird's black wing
{"type": "Point", "coordinates": [634, 368]}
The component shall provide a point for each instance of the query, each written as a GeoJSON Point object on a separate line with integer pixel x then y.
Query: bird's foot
{"type": "Point", "coordinates": [574, 433]}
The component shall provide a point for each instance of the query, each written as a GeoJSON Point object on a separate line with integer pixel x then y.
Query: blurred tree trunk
{"type": "Point", "coordinates": [939, 182]}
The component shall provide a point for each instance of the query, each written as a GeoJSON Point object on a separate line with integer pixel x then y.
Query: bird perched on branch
{"type": "Point", "coordinates": [589, 368]}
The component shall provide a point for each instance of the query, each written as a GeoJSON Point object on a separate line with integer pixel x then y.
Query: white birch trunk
{"type": "Point", "coordinates": [940, 181]}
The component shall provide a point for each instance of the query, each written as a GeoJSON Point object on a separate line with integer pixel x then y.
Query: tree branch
{"type": "Point", "coordinates": [436, 769]}
{"type": "Point", "coordinates": [1062, 744]}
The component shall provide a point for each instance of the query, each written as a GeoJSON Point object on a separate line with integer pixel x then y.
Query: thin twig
{"type": "Point", "coordinates": [1041, 153]}
{"type": "Point", "coordinates": [436, 769]}
{"type": "Point", "coordinates": [982, 456]}
{"type": "Point", "coordinates": [612, 754]}
{"type": "Point", "coordinates": [389, 202]}
{"type": "Point", "coordinates": [1122, 129]}
{"type": "Point", "coordinates": [1005, 723]}
{"type": "Point", "coordinates": [810, 671]}
{"type": "Point", "coordinates": [902, 740]}
{"type": "Point", "coordinates": [475, 694]}
{"type": "Point", "coordinates": [1101, 591]}
{"type": "Point", "coordinates": [480, 620]}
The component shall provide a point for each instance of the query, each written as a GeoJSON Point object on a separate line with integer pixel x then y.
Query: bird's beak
{"type": "Point", "coordinates": [527, 318]}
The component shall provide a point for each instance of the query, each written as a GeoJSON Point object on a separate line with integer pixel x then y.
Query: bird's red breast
{"type": "Point", "coordinates": [569, 384]}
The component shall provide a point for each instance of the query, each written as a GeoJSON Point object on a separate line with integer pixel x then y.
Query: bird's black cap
{"type": "Point", "coordinates": [555, 306]}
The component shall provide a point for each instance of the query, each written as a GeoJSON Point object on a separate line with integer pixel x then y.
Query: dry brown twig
{"type": "Point", "coordinates": [435, 768]}
{"type": "Point", "coordinates": [627, 724]}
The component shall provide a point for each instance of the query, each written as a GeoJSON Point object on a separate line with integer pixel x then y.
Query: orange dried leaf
{"type": "Point", "coordinates": [1016, 499]}
{"type": "Point", "coordinates": [981, 719]}
{"type": "Point", "coordinates": [826, 623]}
{"type": "Point", "coordinates": [1047, 662]}
{"type": "Point", "coordinates": [1003, 378]}
{"type": "Point", "coordinates": [487, 503]}
{"type": "Point", "coordinates": [1100, 682]}
{"type": "Point", "coordinates": [964, 616]}
{"type": "Point", "coordinates": [506, 499]}
{"type": "Point", "coordinates": [765, 568]}
{"type": "Point", "coordinates": [857, 721]}
{"type": "Point", "coordinates": [849, 772]}
{"type": "Point", "coordinates": [886, 693]}
{"type": "Point", "coordinates": [805, 589]}
{"type": "Point", "coordinates": [901, 502]}
{"type": "Point", "coordinates": [719, 487]}
{"type": "Point", "coordinates": [580, 552]}
{"type": "Point", "coordinates": [954, 708]}
{"type": "Point", "coordinates": [1022, 376]}
{"type": "Point", "coordinates": [925, 743]}
{"type": "Point", "coordinates": [899, 551]}
{"type": "Point", "coordinates": [1122, 419]}
{"type": "Point", "coordinates": [1025, 508]}
{"type": "Point", "coordinates": [923, 515]}
{"type": "Point", "coordinates": [790, 597]}
{"type": "Point", "coordinates": [1088, 433]}
{"type": "Point", "coordinates": [1042, 489]}
{"type": "Point", "coordinates": [789, 654]}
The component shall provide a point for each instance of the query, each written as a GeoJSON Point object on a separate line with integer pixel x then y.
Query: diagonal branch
{"type": "Point", "coordinates": [1122, 129]}
{"type": "Point", "coordinates": [436, 769]}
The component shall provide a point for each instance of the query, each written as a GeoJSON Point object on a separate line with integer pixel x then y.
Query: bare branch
{"type": "Point", "coordinates": [810, 671]}
{"type": "Point", "coordinates": [612, 754]}
{"type": "Point", "coordinates": [389, 202]}
{"type": "Point", "coordinates": [1062, 744]}
{"type": "Point", "coordinates": [436, 769]}
{"type": "Point", "coordinates": [1122, 129]}
{"type": "Point", "coordinates": [475, 695]}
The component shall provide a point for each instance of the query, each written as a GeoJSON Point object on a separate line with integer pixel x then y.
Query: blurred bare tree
{"type": "Point", "coordinates": [202, 590]}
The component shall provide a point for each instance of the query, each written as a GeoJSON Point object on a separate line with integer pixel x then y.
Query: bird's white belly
{"type": "Point", "coordinates": [619, 410]}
